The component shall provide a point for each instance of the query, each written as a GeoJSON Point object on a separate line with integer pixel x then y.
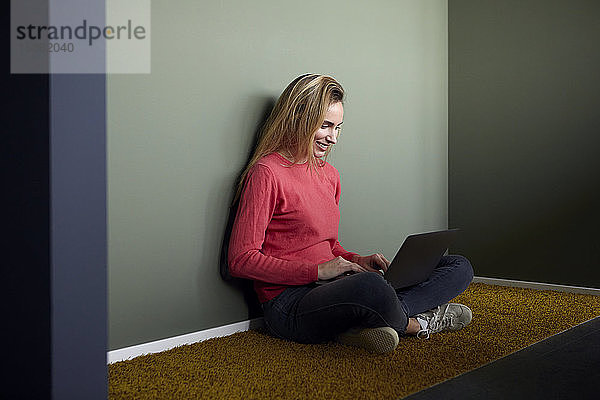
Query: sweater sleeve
{"type": "Point", "coordinates": [337, 248]}
{"type": "Point", "coordinates": [255, 210]}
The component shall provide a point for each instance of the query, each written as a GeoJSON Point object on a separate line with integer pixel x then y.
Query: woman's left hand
{"type": "Point", "coordinates": [374, 262]}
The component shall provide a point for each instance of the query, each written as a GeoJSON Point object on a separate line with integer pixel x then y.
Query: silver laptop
{"type": "Point", "coordinates": [416, 259]}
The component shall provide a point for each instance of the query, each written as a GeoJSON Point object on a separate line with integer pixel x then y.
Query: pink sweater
{"type": "Point", "coordinates": [286, 225]}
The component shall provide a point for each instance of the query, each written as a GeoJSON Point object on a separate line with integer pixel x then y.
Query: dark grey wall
{"type": "Point", "coordinates": [54, 261]}
{"type": "Point", "coordinates": [524, 125]}
{"type": "Point", "coordinates": [78, 236]}
{"type": "Point", "coordinates": [25, 260]}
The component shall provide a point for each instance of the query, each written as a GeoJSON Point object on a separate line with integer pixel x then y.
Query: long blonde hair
{"type": "Point", "coordinates": [296, 117]}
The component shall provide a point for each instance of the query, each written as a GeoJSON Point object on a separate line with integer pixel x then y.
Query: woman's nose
{"type": "Point", "coordinates": [332, 137]}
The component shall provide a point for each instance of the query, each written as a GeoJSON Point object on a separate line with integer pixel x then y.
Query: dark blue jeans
{"type": "Point", "coordinates": [317, 313]}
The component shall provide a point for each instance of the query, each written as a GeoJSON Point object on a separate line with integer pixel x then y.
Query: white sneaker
{"type": "Point", "coordinates": [375, 340]}
{"type": "Point", "coordinates": [447, 317]}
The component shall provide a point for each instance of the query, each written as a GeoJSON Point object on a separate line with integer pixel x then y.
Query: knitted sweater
{"type": "Point", "coordinates": [286, 225]}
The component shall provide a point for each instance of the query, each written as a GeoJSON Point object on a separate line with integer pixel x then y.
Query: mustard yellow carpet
{"type": "Point", "coordinates": [254, 365]}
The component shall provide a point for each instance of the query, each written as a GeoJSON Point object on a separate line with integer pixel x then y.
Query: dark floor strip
{"type": "Point", "coordinates": [564, 366]}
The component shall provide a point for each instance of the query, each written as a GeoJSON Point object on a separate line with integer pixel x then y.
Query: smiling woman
{"type": "Point", "coordinates": [285, 239]}
{"type": "Point", "coordinates": [303, 115]}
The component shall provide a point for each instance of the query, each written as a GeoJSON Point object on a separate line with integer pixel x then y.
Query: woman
{"type": "Point", "coordinates": [285, 239]}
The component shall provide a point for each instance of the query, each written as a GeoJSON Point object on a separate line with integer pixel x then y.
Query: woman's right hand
{"type": "Point", "coordinates": [337, 266]}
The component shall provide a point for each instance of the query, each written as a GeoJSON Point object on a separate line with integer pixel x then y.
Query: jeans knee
{"type": "Point", "coordinates": [374, 290]}
{"type": "Point", "coordinates": [373, 301]}
{"type": "Point", "coordinates": [372, 280]}
{"type": "Point", "coordinates": [464, 268]}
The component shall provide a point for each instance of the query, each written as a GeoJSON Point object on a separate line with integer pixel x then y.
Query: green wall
{"type": "Point", "coordinates": [524, 136]}
{"type": "Point", "coordinates": [178, 137]}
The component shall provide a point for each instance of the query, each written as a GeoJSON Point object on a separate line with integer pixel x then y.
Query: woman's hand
{"type": "Point", "coordinates": [374, 262]}
{"type": "Point", "coordinates": [337, 266]}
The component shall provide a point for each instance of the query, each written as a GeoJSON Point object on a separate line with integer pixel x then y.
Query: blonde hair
{"type": "Point", "coordinates": [293, 122]}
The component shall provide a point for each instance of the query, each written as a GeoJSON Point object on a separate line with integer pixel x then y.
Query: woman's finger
{"type": "Point", "coordinates": [380, 262]}
{"type": "Point", "coordinates": [358, 268]}
{"type": "Point", "coordinates": [387, 262]}
{"type": "Point", "coordinates": [374, 268]}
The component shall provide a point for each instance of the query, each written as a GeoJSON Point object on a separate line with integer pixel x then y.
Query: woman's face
{"type": "Point", "coordinates": [327, 134]}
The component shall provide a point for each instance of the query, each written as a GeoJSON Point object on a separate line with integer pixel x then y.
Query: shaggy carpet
{"type": "Point", "coordinates": [254, 365]}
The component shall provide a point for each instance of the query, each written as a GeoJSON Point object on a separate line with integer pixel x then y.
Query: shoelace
{"type": "Point", "coordinates": [437, 323]}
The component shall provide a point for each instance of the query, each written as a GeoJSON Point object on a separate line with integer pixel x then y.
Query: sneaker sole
{"type": "Point", "coordinates": [375, 340]}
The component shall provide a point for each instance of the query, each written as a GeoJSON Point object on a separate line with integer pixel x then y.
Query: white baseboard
{"type": "Point", "coordinates": [157, 346]}
{"type": "Point", "coordinates": [128, 353]}
{"type": "Point", "coordinates": [536, 285]}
